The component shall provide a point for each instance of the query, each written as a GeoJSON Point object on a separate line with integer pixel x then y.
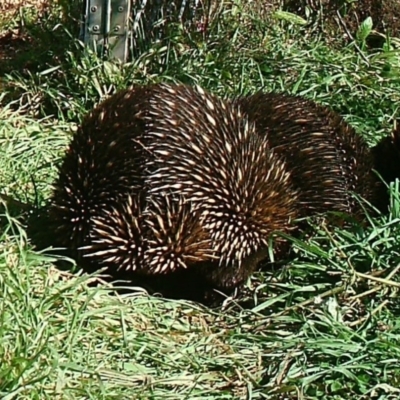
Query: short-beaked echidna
{"type": "Point", "coordinates": [169, 177]}
{"type": "Point", "coordinates": [327, 158]}
{"type": "Point", "coordinates": [387, 163]}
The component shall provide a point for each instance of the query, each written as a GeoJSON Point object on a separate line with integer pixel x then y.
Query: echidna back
{"type": "Point", "coordinates": [205, 149]}
{"type": "Point", "coordinates": [325, 155]}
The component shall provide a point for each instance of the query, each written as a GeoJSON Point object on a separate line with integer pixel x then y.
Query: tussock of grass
{"type": "Point", "coordinates": [324, 326]}
{"type": "Point", "coordinates": [28, 151]}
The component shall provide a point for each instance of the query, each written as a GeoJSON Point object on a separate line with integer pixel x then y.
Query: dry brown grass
{"type": "Point", "coordinates": [14, 5]}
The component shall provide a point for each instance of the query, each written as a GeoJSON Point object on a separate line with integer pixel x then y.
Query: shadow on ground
{"type": "Point", "coordinates": [35, 33]}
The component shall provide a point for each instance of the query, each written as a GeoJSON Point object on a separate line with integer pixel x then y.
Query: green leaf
{"type": "Point", "coordinates": [365, 29]}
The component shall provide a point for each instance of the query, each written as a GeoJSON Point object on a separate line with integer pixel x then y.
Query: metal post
{"type": "Point", "coordinates": [109, 25]}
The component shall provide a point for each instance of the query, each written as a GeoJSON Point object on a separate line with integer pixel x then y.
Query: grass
{"type": "Point", "coordinates": [324, 326]}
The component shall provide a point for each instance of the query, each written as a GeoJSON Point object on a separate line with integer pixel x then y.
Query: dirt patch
{"type": "Point", "coordinates": [385, 14]}
{"type": "Point", "coordinates": [14, 39]}
{"type": "Point", "coordinates": [11, 7]}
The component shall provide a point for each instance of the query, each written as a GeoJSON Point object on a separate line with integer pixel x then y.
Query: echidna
{"type": "Point", "coordinates": [326, 157]}
{"type": "Point", "coordinates": [387, 163]}
{"type": "Point", "coordinates": [163, 179]}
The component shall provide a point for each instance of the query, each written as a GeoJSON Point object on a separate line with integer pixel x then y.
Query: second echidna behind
{"type": "Point", "coordinates": [387, 163]}
{"type": "Point", "coordinates": [327, 158]}
{"type": "Point", "coordinates": [163, 180]}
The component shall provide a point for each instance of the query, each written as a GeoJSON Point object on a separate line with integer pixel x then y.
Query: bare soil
{"type": "Point", "coordinates": [14, 37]}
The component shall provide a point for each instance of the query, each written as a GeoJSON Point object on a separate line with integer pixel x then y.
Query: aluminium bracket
{"type": "Point", "coordinates": [106, 27]}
